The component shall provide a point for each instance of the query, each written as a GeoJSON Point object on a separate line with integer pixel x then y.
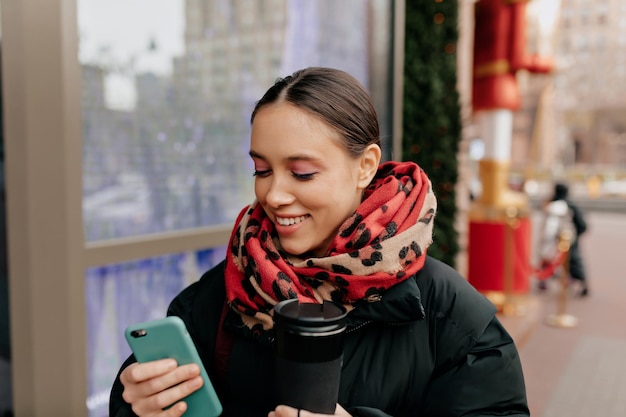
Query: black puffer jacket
{"type": "Point", "coordinates": [432, 347]}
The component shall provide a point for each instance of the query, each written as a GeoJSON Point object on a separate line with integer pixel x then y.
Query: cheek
{"type": "Point", "coordinates": [344, 193]}
{"type": "Point", "coordinates": [260, 190]}
{"type": "Point", "coordinates": [335, 205]}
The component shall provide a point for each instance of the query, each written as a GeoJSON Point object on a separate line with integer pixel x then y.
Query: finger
{"type": "Point", "coordinates": [162, 382]}
{"type": "Point", "coordinates": [340, 411]}
{"type": "Point", "coordinates": [177, 410]}
{"type": "Point", "coordinates": [285, 411]}
{"type": "Point", "coordinates": [138, 372]}
{"type": "Point", "coordinates": [167, 397]}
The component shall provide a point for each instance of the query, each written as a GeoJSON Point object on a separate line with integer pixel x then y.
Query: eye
{"type": "Point", "coordinates": [303, 177]}
{"type": "Point", "coordinates": [261, 174]}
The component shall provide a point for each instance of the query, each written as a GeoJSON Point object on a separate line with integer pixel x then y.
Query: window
{"type": "Point", "coordinates": [166, 108]}
{"type": "Point", "coordinates": [168, 88]}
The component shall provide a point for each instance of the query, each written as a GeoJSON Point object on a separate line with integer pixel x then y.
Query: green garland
{"type": "Point", "coordinates": [431, 110]}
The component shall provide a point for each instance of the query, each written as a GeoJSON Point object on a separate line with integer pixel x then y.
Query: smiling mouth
{"type": "Point", "coordinates": [289, 221]}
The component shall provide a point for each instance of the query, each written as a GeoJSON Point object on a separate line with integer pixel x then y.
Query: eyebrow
{"type": "Point", "coordinates": [296, 157]}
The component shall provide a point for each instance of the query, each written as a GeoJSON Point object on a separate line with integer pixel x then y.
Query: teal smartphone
{"type": "Point", "coordinates": [168, 338]}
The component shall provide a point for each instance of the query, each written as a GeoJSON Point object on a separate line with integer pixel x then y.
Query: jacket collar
{"type": "Point", "coordinates": [399, 304]}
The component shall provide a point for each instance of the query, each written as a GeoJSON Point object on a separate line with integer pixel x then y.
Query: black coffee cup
{"type": "Point", "coordinates": [309, 354]}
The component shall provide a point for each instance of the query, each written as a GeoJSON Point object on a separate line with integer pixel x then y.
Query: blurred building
{"type": "Point", "coordinates": [591, 89]}
{"type": "Point", "coordinates": [576, 115]}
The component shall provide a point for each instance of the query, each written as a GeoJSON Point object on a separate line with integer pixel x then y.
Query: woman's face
{"type": "Point", "coordinates": [304, 179]}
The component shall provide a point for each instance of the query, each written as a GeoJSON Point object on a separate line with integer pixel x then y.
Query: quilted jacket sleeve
{"type": "Point", "coordinates": [366, 412]}
{"type": "Point", "coordinates": [477, 367]}
{"type": "Point", "coordinates": [488, 381]}
{"type": "Point", "coordinates": [117, 406]}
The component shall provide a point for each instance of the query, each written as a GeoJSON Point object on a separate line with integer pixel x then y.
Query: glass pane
{"type": "Point", "coordinates": [127, 293]}
{"type": "Point", "coordinates": [168, 87]}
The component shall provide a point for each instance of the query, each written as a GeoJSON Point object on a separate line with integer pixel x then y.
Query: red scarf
{"type": "Point", "coordinates": [384, 242]}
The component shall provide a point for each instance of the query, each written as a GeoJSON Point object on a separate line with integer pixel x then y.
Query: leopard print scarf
{"type": "Point", "coordinates": [384, 242]}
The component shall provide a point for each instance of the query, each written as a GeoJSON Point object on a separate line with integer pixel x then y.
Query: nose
{"type": "Point", "coordinates": [278, 194]}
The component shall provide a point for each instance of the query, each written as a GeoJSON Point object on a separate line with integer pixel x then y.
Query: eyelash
{"type": "Point", "coordinates": [300, 177]}
{"type": "Point", "coordinates": [303, 177]}
{"type": "Point", "coordinates": [261, 174]}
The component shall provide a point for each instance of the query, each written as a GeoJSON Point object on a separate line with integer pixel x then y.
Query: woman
{"type": "Point", "coordinates": [330, 223]}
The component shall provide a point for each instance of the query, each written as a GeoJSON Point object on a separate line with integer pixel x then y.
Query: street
{"type": "Point", "coordinates": [581, 371]}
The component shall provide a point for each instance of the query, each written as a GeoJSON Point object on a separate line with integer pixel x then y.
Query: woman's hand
{"type": "Point", "coordinates": [151, 386]}
{"type": "Point", "coordinates": [286, 411]}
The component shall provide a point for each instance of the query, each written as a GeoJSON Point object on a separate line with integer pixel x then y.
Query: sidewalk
{"type": "Point", "coordinates": [580, 371]}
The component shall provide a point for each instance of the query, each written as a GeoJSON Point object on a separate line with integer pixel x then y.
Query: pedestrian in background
{"type": "Point", "coordinates": [562, 214]}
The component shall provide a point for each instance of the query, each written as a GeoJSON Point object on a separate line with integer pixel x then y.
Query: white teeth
{"type": "Point", "coordinates": [283, 221]}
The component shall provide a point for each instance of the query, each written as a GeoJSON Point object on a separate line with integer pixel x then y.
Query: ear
{"type": "Point", "coordinates": [368, 165]}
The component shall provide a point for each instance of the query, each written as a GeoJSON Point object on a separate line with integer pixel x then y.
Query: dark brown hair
{"type": "Point", "coordinates": [336, 97]}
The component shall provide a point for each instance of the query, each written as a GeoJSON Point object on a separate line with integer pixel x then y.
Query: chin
{"type": "Point", "coordinates": [299, 251]}
{"type": "Point", "coordinates": [295, 252]}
